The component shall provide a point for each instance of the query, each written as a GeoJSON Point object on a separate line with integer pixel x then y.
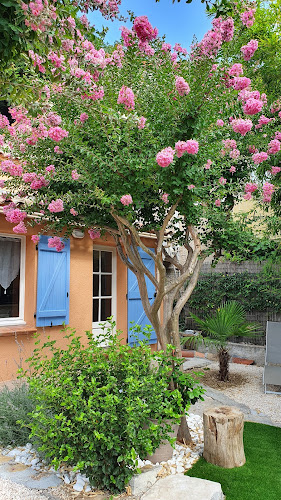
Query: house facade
{"type": "Point", "coordinates": [81, 286]}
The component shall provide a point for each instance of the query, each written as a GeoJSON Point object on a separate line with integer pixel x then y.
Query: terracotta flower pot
{"type": "Point", "coordinates": [164, 452]}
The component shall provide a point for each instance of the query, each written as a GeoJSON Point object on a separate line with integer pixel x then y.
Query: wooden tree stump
{"type": "Point", "coordinates": [223, 437]}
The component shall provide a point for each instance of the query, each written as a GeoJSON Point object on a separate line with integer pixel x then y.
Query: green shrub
{"type": "Point", "coordinates": [255, 292]}
{"type": "Point", "coordinates": [15, 404]}
{"type": "Point", "coordinates": [96, 407]}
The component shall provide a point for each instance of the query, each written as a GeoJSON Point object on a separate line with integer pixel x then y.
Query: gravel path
{"type": "Point", "coordinates": [252, 392]}
{"type": "Point", "coordinates": [13, 491]}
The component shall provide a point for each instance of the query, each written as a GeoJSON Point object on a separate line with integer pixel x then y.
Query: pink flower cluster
{"type": "Point", "coordinates": [232, 169]}
{"type": "Point", "coordinates": [241, 82]}
{"type": "Point", "coordinates": [144, 30]}
{"type": "Point", "coordinates": [11, 168]}
{"type": "Point", "coordinates": [275, 170]}
{"type": "Point", "coordinates": [127, 35]}
{"type": "Point", "coordinates": [35, 238]}
{"type": "Point", "coordinates": [259, 157]}
{"type": "Point", "coordinates": [223, 31]}
{"type": "Point", "coordinates": [263, 120]}
{"type": "Point", "coordinates": [217, 203]}
{"type": "Point", "coordinates": [57, 133]}
{"type": "Point", "coordinates": [146, 48]}
{"type": "Point", "coordinates": [248, 17]}
{"type": "Point", "coordinates": [166, 47]}
{"type": "Point", "coordinates": [225, 27]}
{"type": "Point", "coordinates": [236, 70]}
{"type": "Point", "coordinates": [274, 147]}
{"type": "Point", "coordinates": [141, 122]}
{"type": "Point", "coordinates": [252, 106]}
{"type": "Point", "coordinates": [229, 144]}
{"type": "Point", "coordinates": [126, 199]}
{"type": "Point", "coordinates": [190, 187]}
{"type": "Point", "coordinates": [268, 190]}
{"type": "Point", "coordinates": [73, 212]}
{"type": "Point", "coordinates": [164, 197]}
{"type": "Point", "coordinates": [15, 215]}
{"type": "Point", "coordinates": [241, 126]}
{"type": "Point", "coordinates": [249, 49]}
{"type": "Point", "coordinates": [220, 123]}
{"type": "Point", "coordinates": [222, 181]}
{"type": "Point", "coordinates": [165, 157]}
{"type": "Point", "coordinates": [56, 206]}
{"type": "Point", "coordinates": [36, 181]}
{"type": "Point", "coordinates": [74, 174]}
{"type": "Point", "coordinates": [56, 243]}
{"type": "Point", "coordinates": [234, 154]}
{"type": "Point", "coordinates": [179, 49]}
{"type": "Point", "coordinates": [191, 147]}
{"type": "Point", "coordinates": [250, 188]}
{"type": "Point", "coordinates": [94, 233]}
{"type": "Point", "coordinates": [182, 86]}
{"type": "Point", "coordinates": [208, 164]}
{"type": "Point", "coordinates": [83, 117]}
{"type": "Point", "coordinates": [20, 228]}
{"type": "Point", "coordinates": [52, 119]}
{"type": "Point", "coordinates": [126, 97]}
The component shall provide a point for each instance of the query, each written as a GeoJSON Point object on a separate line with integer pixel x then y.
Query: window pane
{"type": "Point", "coordinates": [95, 310]}
{"type": "Point", "coordinates": [95, 285]}
{"type": "Point", "coordinates": [106, 284]}
{"type": "Point", "coordinates": [9, 277]}
{"type": "Point", "coordinates": [96, 266]}
{"type": "Point", "coordinates": [9, 301]}
{"type": "Point", "coordinates": [105, 309]}
{"type": "Point", "coordinates": [106, 262]}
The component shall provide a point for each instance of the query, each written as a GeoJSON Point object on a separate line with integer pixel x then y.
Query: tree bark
{"type": "Point", "coordinates": [224, 358]}
{"type": "Point", "coordinates": [223, 437]}
{"type": "Point", "coordinates": [183, 435]}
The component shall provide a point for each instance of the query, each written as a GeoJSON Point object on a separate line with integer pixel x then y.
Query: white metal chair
{"type": "Point", "coordinates": [272, 367]}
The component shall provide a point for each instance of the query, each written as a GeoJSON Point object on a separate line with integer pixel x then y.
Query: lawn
{"type": "Point", "coordinates": [260, 477]}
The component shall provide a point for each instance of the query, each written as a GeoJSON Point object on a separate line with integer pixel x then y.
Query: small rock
{"type": "Point", "coordinates": [66, 479]}
{"type": "Point", "coordinates": [88, 489]}
{"type": "Point", "coordinates": [78, 487]}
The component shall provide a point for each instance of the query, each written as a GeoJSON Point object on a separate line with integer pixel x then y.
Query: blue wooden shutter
{"type": "Point", "coordinates": [52, 284]}
{"type": "Point", "coordinates": [135, 307]}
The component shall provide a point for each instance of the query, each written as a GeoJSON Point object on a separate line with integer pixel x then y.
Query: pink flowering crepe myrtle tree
{"type": "Point", "coordinates": [139, 138]}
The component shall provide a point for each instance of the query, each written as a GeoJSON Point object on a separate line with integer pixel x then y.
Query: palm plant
{"type": "Point", "coordinates": [228, 320]}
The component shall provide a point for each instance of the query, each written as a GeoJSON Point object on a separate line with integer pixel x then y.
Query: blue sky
{"type": "Point", "coordinates": [178, 21]}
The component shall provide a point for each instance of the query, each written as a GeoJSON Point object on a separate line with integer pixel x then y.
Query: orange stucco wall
{"type": "Point", "coordinates": [16, 347]}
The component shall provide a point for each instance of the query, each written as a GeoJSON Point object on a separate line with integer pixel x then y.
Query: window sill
{"type": "Point", "coordinates": [9, 330]}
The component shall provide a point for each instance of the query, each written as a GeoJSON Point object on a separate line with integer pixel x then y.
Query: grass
{"type": "Point", "coordinates": [15, 404]}
{"type": "Point", "coordinates": [260, 477]}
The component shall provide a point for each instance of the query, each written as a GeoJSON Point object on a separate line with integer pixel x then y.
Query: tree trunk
{"type": "Point", "coordinates": [224, 358]}
{"type": "Point", "coordinates": [223, 437]}
{"type": "Point", "coordinates": [183, 435]}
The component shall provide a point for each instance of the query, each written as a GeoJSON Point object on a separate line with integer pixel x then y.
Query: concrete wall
{"type": "Point", "coordinates": [245, 351]}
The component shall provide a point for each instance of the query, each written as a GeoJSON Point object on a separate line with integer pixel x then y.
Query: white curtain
{"type": "Point", "coordinates": [9, 261]}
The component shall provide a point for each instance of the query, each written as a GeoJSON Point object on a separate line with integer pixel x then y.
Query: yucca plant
{"type": "Point", "coordinates": [228, 320]}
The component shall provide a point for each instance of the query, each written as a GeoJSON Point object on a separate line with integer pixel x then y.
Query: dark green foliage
{"type": "Point", "coordinates": [259, 477]}
{"type": "Point", "coordinates": [99, 408]}
{"type": "Point", "coordinates": [256, 292]}
{"type": "Point", "coordinates": [15, 404]}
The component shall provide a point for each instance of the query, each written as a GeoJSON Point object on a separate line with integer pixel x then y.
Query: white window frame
{"type": "Point", "coordinates": [19, 320]}
{"type": "Point", "coordinates": [96, 325]}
